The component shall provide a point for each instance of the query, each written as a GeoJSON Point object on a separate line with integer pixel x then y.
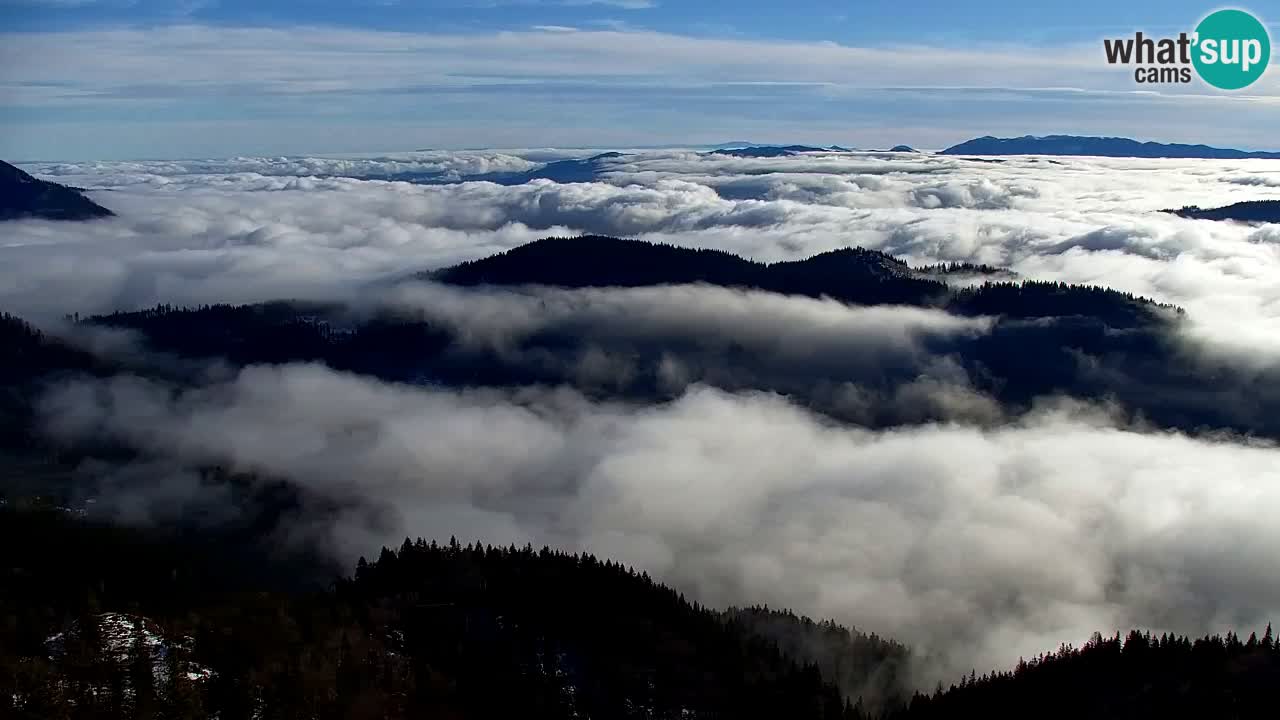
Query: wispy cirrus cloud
{"type": "Point", "coordinates": [517, 87]}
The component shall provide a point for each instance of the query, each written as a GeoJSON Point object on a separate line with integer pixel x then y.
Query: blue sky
{"type": "Point", "coordinates": [836, 20]}
{"type": "Point", "coordinates": [83, 79]}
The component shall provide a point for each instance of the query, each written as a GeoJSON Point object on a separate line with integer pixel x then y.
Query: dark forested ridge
{"type": "Point", "coordinates": [597, 261]}
{"type": "Point", "coordinates": [447, 630]}
{"type": "Point", "coordinates": [23, 196]}
{"type": "Point", "coordinates": [428, 630]}
{"type": "Point", "coordinates": [1252, 211]}
{"type": "Point", "coordinates": [851, 275]}
{"type": "Point", "coordinates": [1140, 676]}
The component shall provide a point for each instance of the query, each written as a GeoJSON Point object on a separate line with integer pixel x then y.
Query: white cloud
{"type": "Point", "coordinates": [299, 89]}
{"type": "Point", "coordinates": [189, 234]}
{"type": "Point", "coordinates": [977, 546]}
{"type": "Point", "coordinates": [779, 326]}
{"type": "Point", "coordinates": [280, 62]}
{"type": "Point", "coordinates": [449, 165]}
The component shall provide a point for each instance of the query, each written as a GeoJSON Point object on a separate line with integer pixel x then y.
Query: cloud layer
{"type": "Point", "coordinates": [977, 546]}
{"type": "Point", "coordinates": [247, 229]}
{"type": "Point", "coordinates": [990, 536]}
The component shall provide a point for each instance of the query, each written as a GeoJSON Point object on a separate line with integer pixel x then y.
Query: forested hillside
{"type": "Point", "coordinates": [852, 275]}
{"type": "Point", "coordinates": [1139, 676]}
{"type": "Point", "coordinates": [98, 622]}
{"type": "Point", "coordinates": [429, 630]}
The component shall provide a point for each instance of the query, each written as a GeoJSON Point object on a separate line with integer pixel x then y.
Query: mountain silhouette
{"type": "Point", "coordinates": [1253, 211]}
{"type": "Point", "coordinates": [23, 196]}
{"type": "Point", "coordinates": [1096, 146]}
{"type": "Point", "coordinates": [599, 261]}
{"type": "Point", "coordinates": [852, 275]}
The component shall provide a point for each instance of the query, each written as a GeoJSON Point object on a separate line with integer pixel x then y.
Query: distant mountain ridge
{"type": "Point", "coordinates": [24, 196]}
{"type": "Point", "coordinates": [1251, 211]}
{"type": "Point", "coordinates": [561, 171]}
{"type": "Point", "coordinates": [769, 151]}
{"type": "Point", "coordinates": [1096, 146]}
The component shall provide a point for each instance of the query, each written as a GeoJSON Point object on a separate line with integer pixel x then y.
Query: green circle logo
{"type": "Point", "coordinates": [1232, 49]}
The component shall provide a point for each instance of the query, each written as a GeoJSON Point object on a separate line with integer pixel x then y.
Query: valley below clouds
{"type": "Point", "coordinates": [865, 464]}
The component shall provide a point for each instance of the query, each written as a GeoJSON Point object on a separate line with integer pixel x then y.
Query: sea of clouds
{"type": "Point", "coordinates": [260, 228]}
{"type": "Point", "coordinates": [978, 539]}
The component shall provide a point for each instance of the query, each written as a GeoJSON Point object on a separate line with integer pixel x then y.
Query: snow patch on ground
{"type": "Point", "coordinates": [121, 633]}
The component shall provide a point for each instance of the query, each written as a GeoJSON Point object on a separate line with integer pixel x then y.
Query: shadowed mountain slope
{"type": "Point", "coordinates": [23, 196]}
